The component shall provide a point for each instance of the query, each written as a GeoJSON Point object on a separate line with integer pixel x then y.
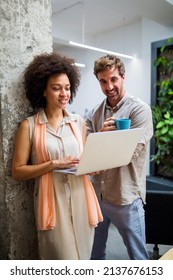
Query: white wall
{"type": "Point", "coordinates": [134, 39]}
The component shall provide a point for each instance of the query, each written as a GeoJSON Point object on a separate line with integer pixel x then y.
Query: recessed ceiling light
{"type": "Point", "coordinates": [80, 64]}
{"type": "Point", "coordinates": [99, 50]}
{"type": "Point", "coordinates": [169, 1]}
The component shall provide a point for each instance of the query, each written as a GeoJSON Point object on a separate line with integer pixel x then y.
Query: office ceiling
{"type": "Point", "coordinates": [97, 16]}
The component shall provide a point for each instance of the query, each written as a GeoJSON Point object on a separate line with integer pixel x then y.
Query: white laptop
{"type": "Point", "coordinates": [106, 150]}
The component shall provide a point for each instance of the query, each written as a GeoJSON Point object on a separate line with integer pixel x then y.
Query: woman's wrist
{"type": "Point", "coordinates": [54, 164]}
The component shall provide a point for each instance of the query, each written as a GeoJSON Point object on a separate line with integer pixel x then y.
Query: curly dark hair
{"type": "Point", "coordinates": [43, 67]}
{"type": "Point", "coordinates": [109, 61]}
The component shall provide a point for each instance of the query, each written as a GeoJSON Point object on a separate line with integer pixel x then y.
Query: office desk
{"type": "Point", "coordinates": [168, 255]}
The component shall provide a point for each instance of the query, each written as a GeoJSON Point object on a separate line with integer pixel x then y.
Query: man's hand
{"type": "Point", "coordinates": [96, 173]}
{"type": "Point", "coordinates": [108, 125]}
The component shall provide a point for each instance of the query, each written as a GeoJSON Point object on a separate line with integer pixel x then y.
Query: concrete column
{"type": "Point", "coordinates": [25, 30]}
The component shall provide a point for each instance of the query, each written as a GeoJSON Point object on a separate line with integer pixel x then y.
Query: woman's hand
{"type": "Point", "coordinates": [66, 162]}
{"type": "Point", "coordinates": [108, 125]}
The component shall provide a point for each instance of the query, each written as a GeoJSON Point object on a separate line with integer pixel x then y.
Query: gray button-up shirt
{"type": "Point", "coordinates": [123, 185]}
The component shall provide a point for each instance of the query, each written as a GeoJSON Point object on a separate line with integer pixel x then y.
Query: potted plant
{"type": "Point", "coordinates": [163, 112]}
{"type": "Point", "coordinates": [159, 197]}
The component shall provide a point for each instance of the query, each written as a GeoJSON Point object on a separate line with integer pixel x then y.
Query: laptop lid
{"type": "Point", "coordinates": [105, 150]}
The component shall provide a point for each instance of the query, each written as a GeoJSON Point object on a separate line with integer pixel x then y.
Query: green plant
{"type": "Point", "coordinates": [163, 112]}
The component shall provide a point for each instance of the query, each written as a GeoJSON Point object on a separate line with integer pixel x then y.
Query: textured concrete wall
{"type": "Point", "coordinates": [25, 30]}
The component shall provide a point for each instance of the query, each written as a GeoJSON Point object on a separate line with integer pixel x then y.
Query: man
{"type": "Point", "coordinates": [121, 191]}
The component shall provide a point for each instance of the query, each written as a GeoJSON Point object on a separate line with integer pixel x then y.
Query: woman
{"type": "Point", "coordinates": [51, 138]}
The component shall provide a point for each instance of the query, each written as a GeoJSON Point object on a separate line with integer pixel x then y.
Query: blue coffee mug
{"type": "Point", "coordinates": [122, 123]}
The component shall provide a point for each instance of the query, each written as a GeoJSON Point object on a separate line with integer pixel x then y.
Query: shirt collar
{"type": "Point", "coordinates": [68, 117]}
{"type": "Point", "coordinates": [119, 104]}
